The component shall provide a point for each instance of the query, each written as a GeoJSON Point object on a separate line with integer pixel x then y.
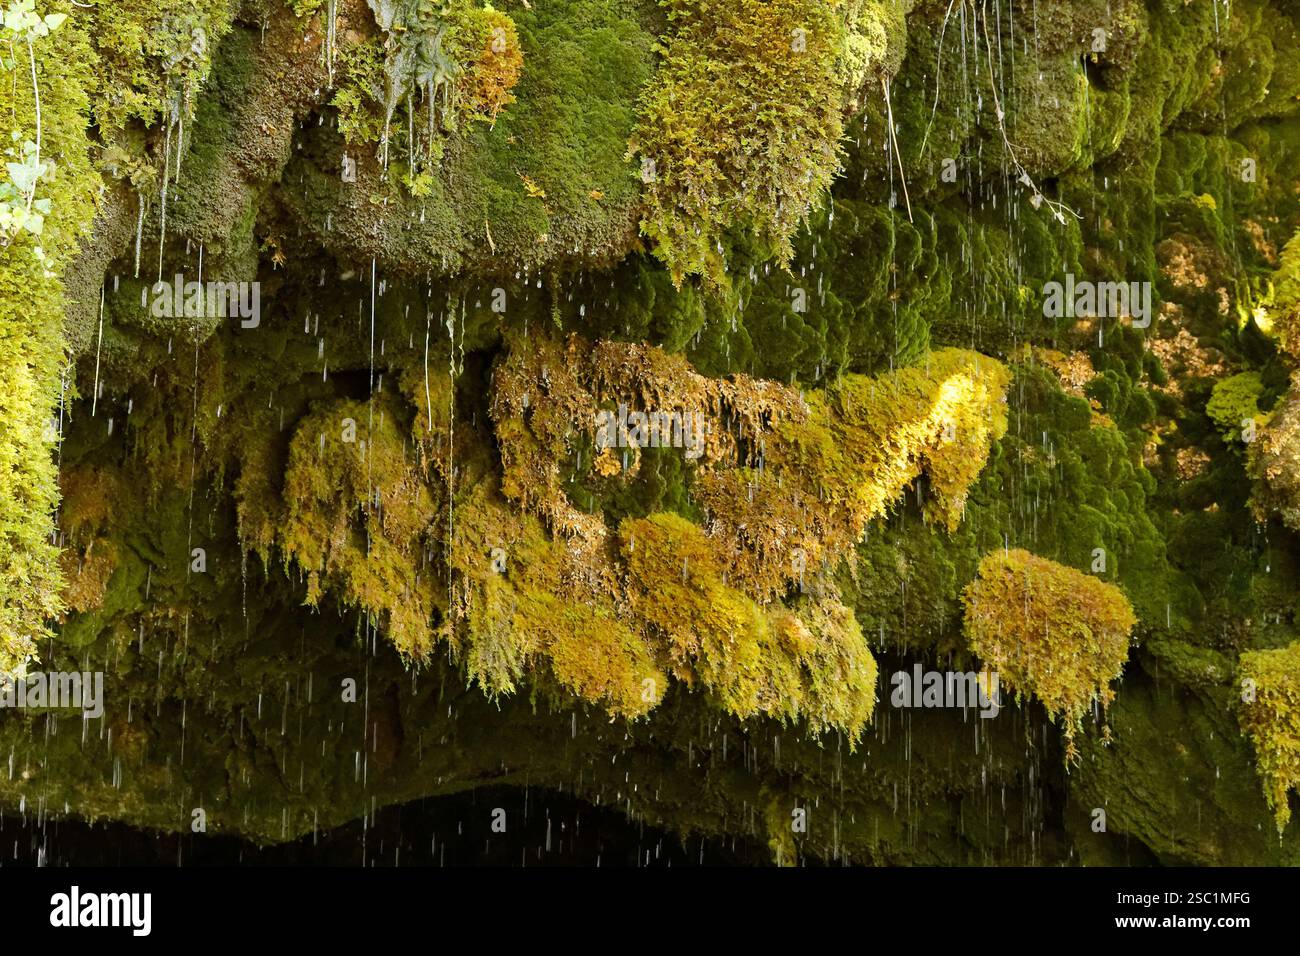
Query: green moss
{"type": "Point", "coordinates": [739, 83]}
{"type": "Point", "coordinates": [1285, 298]}
{"type": "Point", "coordinates": [31, 319]}
{"type": "Point", "coordinates": [459, 59]}
{"type": "Point", "coordinates": [515, 618]}
{"type": "Point", "coordinates": [1049, 630]}
{"type": "Point", "coordinates": [1174, 775]}
{"type": "Point", "coordinates": [1271, 703]}
{"type": "Point", "coordinates": [825, 381]}
{"type": "Point", "coordinates": [348, 458]}
{"type": "Point", "coordinates": [1234, 402]}
{"type": "Point", "coordinates": [810, 663]}
{"type": "Point", "coordinates": [566, 135]}
{"type": "Point", "coordinates": [797, 477]}
{"type": "Point", "coordinates": [153, 58]}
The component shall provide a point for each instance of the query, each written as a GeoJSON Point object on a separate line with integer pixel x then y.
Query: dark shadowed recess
{"type": "Point", "coordinates": [543, 828]}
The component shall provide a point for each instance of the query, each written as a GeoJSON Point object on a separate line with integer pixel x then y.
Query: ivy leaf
{"type": "Point", "coordinates": [23, 175]}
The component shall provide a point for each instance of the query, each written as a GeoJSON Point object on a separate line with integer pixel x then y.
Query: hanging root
{"type": "Point", "coordinates": [938, 74]}
{"type": "Point", "coordinates": [893, 138]}
{"type": "Point", "coordinates": [1059, 209]}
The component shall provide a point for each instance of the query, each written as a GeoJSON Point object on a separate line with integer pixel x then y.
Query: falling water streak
{"type": "Point", "coordinates": [180, 146]}
{"type": "Point", "coordinates": [938, 73]}
{"type": "Point", "coordinates": [94, 400]}
{"type": "Point", "coordinates": [331, 27]}
{"type": "Point", "coordinates": [997, 28]}
{"type": "Point", "coordinates": [370, 402]}
{"type": "Point", "coordinates": [194, 425]}
{"type": "Point", "coordinates": [428, 397]}
{"type": "Point", "coordinates": [63, 407]}
{"type": "Point", "coordinates": [162, 220]}
{"type": "Point", "coordinates": [139, 232]}
{"type": "Point", "coordinates": [451, 460]}
{"type": "Point", "coordinates": [1055, 206]}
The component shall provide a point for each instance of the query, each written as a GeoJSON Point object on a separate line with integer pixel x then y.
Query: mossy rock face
{"type": "Point", "coordinates": [544, 185]}
{"type": "Point", "coordinates": [395, 478]}
{"type": "Point", "coordinates": [45, 222]}
{"type": "Point", "coordinates": [1198, 803]}
{"type": "Point", "coordinates": [252, 717]}
{"type": "Point", "coordinates": [264, 82]}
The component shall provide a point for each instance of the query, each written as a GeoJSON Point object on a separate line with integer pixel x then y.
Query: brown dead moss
{"type": "Point", "coordinates": [86, 574]}
{"type": "Point", "coordinates": [529, 590]}
{"type": "Point", "coordinates": [789, 480]}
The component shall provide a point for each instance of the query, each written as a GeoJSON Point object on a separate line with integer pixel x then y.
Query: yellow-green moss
{"type": "Point", "coordinates": [1283, 309]}
{"type": "Point", "coordinates": [1270, 716]}
{"type": "Point", "coordinates": [741, 125]}
{"type": "Point", "coordinates": [675, 584]}
{"type": "Point", "coordinates": [1234, 402]}
{"type": "Point", "coordinates": [358, 516]}
{"type": "Point", "coordinates": [848, 458]}
{"type": "Point", "coordinates": [524, 600]}
{"type": "Point", "coordinates": [810, 661]}
{"type": "Point", "coordinates": [153, 57]}
{"type": "Point", "coordinates": [486, 42]}
{"type": "Point", "coordinates": [795, 480]}
{"type": "Point", "coordinates": [427, 69]}
{"type": "Point", "coordinates": [1050, 631]}
{"type": "Point", "coordinates": [574, 606]}
{"type": "Point", "coordinates": [31, 322]}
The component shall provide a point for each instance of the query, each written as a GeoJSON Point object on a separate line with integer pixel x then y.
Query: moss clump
{"type": "Point", "coordinates": [86, 575]}
{"type": "Point", "coordinates": [787, 481]}
{"type": "Point", "coordinates": [810, 661]}
{"type": "Point", "coordinates": [523, 602]}
{"type": "Point", "coordinates": [817, 474]}
{"type": "Point", "coordinates": [350, 460]}
{"type": "Point", "coordinates": [546, 183]}
{"type": "Point", "coordinates": [1284, 307]}
{"type": "Point", "coordinates": [1270, 716]}
{"type": "Point", "coordinates": [527, 589]}
{"type": "Point", "coordinates": [31, 320]}
{"type": "Point", "coordinates": [1276, 463]}
{"type": "Point", "coordinates": [442, 63]}
{"type": "Point", "coordinates": [90, 557]}
{"type": "Point", "coordinates": [1050, 631]}
{"type": "Point", "coordinates": [1234, 402]}
{"type": "Point", "coordinates": [153, 56]}
{"type": "Point", "coordinates": [494, 59]}
{"type": "Point", "coordinates": [611, 630]}
{"type": "Point", "coordinates": [741, 124]}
